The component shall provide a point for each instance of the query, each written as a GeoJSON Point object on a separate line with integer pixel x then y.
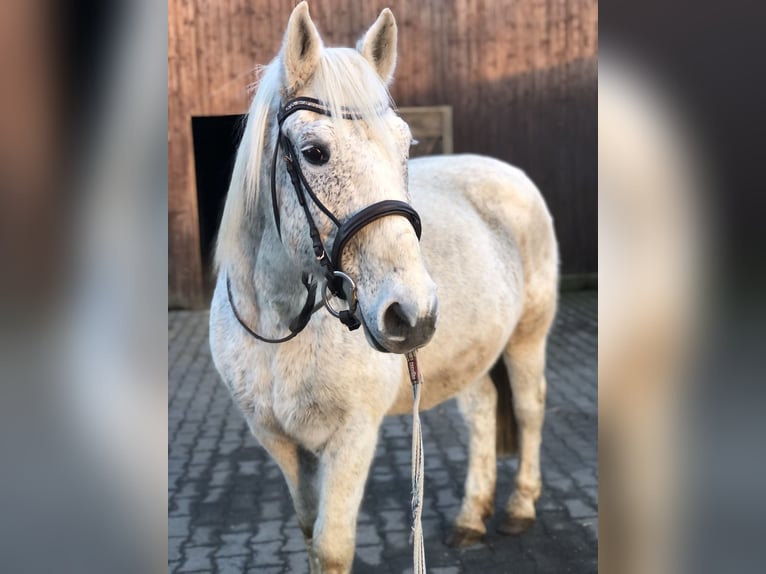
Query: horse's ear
{"type": "Point", "coordinates": [378, 45]}
{"type": "Point", "coordinates": [301, 49]}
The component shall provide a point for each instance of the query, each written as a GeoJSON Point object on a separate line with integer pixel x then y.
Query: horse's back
{"type": "Point", "coordinates": [472, 174]}
{"type": "Point", "coordinates": [501, 195]}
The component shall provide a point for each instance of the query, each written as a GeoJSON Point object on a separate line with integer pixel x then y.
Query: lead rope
{"type": "Point", "coordinates": [418, 550]}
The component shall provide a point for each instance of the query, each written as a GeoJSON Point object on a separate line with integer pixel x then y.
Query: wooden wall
{"type": "Point", "coordinates": [521, 76]}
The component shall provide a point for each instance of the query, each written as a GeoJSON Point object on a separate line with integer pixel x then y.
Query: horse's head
{"type": "Point", "coordinates": [350, 157]}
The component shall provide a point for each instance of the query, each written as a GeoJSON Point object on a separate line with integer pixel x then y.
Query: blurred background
{"type": "Point", "coordinates": [83, 360]}
{"type": "Point", "coordinates": [681, 309]}
{"type": "Point", "coordinates": [83, 229]}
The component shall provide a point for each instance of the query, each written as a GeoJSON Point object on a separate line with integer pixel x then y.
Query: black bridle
{"type": "Point", "coordinates": [346, 229]}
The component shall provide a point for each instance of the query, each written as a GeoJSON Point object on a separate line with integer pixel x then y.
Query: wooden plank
{"type": "Point", "coordinates": [431, 126]}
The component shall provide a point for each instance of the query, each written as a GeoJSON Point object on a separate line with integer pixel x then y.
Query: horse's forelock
{"type": "Point", "coordinates": [345, 81]}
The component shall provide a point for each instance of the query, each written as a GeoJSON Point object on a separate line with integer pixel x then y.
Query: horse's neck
{"type": "Point", "coordinates": [265, 279]}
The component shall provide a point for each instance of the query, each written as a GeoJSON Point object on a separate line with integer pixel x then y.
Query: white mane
{"type": "Point", "coordinates": [343, 80]}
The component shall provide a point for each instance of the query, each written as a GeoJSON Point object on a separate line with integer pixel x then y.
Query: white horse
{"type": "Point", "coordinates": [317, 400]}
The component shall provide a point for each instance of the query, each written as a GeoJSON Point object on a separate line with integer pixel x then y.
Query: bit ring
{"type": "Point", "coordinates": [327, 296]}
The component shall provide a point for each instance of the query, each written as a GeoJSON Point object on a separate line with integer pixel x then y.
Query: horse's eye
{"type": "Point", "coordinates": [316, 155]}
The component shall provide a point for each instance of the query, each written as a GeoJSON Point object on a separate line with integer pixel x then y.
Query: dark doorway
{"type": "Point", "coordinates": [215, 144]}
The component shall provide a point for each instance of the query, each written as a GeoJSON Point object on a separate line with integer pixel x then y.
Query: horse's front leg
{"type": "Point", "coordinates": [344, 465]}
{"type": "Point", "coordinates": [300, 469]}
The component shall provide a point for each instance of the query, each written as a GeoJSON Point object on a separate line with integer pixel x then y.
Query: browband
{"type": "Point", "coordinates": [313, 105]}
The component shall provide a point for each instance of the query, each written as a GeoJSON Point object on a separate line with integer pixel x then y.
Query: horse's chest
{"type": "Point", "coordinates": [305, 389]}
{"type": "Point", "coordinates": [306, 416]}
{"type": "Point", "coordinates": [307, 402]}
{"type": "Point", "coordinates": [297, 403]}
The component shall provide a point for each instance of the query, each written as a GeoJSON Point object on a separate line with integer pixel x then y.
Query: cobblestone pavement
{"type": "Point", "coordinates": [229, 509]}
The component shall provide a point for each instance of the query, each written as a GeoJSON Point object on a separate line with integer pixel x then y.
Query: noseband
{"type": "Point", "coordinates": [331, 262]}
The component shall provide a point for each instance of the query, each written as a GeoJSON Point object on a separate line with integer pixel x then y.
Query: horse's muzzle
{"type": "Point", "coordinates": [402, 329]}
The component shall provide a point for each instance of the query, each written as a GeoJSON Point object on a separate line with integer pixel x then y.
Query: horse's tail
{"type": "Point", "coordinates": [507, 428]}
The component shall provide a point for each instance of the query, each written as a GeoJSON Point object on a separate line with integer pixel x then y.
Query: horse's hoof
{"type": "Point", "coordinates": [462, 537]}
{"type": "Point", "coordinates": [512, 525]}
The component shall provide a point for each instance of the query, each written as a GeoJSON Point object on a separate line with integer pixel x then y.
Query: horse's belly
{"type": "Point", "coordinates": [452, 361]}
{"type": "Point", "coordinates": [474, 259]}
{"type": "Point", "coordinates": [475, 323]}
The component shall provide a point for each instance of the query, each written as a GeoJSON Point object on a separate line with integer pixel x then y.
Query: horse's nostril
{"type": "Point", "coordinates": [396, 322]}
